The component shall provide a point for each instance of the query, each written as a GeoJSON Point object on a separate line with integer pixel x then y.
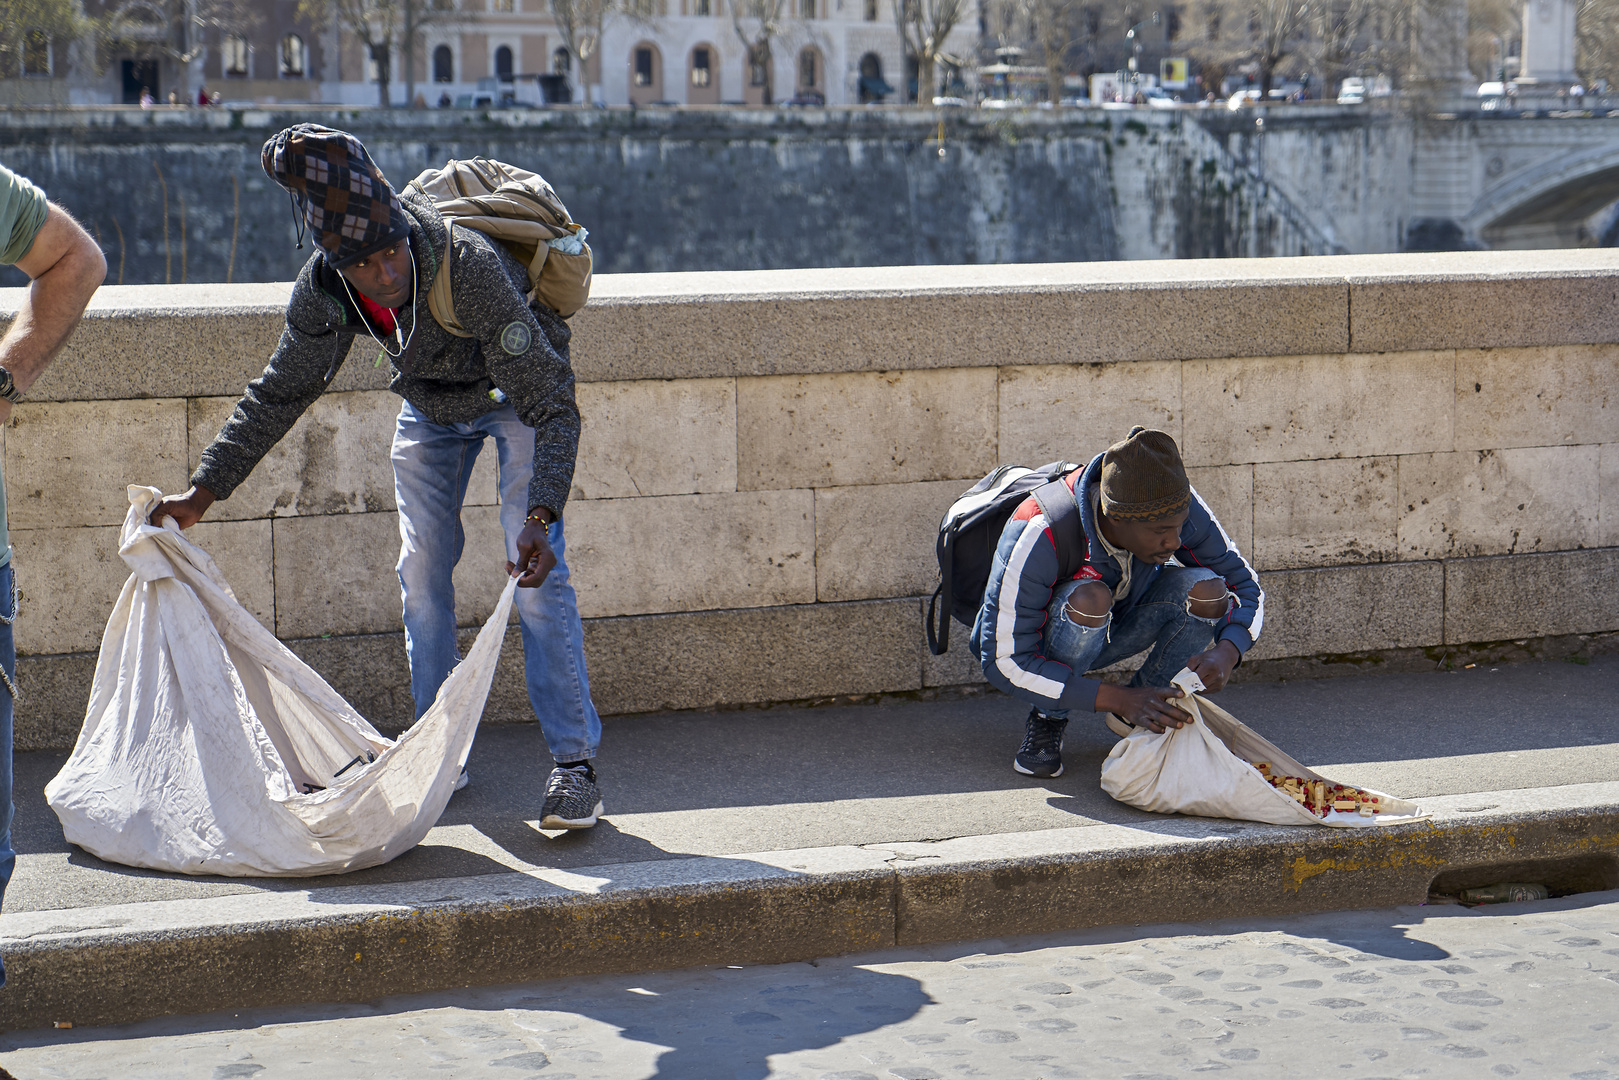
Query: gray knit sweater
{"type": "Point", "coordinates": [447, 378]}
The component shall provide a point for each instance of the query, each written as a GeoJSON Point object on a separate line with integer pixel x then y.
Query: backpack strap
{"type": "Point", "coordinates": [1061, 508]}
{"type": "Point", "coordinates": [440, 300]}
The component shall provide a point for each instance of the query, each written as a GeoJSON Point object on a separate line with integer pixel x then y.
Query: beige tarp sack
{"type": "Point", "coordinates": [209, 748]}
{"type": "Point", "coordinates": [1204, 768]}
{"type": "Point", "coordinates": [521, 211]}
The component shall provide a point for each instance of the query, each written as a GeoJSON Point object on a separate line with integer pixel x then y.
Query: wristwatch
{"type": "Point", "coordinates": [8, 387]}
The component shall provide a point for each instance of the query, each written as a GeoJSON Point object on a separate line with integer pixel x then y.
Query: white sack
{"type": "Point", "coordinates": [1203, 769]}
{"type": "Point", "coordinates": [203, 730]}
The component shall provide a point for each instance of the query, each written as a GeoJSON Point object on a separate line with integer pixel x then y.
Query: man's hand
{"type": "Point", "coordinates": [1214, 666]}
{"type": "Point", "coordinates": [186, 510]}
{"type": "Point", "coordinates": [1144, 706]}
{"type": "Point", "coordinates": [534, 556]}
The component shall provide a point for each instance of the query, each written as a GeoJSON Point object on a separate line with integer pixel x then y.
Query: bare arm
{"type": "Point", "coordinates": [67, 268]}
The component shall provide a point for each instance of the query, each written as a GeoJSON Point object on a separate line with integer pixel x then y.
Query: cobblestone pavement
{"type": "Point", "coordinates": [1529, 990]}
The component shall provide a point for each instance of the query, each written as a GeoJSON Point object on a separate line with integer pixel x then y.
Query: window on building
{"type": "Point", "coordinates": [643, 66]}
{"type": "Point", "coordinates": [701, 73]}
{"type": "Point", "coordinates": [36, 53]}
{"type": "Point", "coordinates": [443, 64]}
{"type": "Point", "coordinates": [235, 58]}
{"type": "Point", "coordinates": [703, 8]}
{"type": "Point", "coordinates": [376, 63]}
{"type": "Point", "coordinates": [502, 5]}
{"type": "Point", "coordinates": [806, 9]}
{"type": "Point", "coordinates": [758, 73]}
{"type": "Point", "coordinates": [292, 57]}
{"type": "Point", "coordinates": [1172, 25]}
{"type": "Point", "coordinates": [871, 11]}
{"type": "Point", "coordinates": [807, 72]}
{"type": "Point", "coordinates": [561, 62]}
{"type": "Point", "coordinates": [503, 64]}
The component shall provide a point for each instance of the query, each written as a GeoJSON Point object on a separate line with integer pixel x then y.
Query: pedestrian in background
{"type": "Point", "coordinates": [65, 267]}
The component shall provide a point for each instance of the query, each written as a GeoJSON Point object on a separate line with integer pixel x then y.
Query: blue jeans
{"type": "Point", "coordinates": [8, 658]}
{"type": "Point", "coordinates": [432, 466]}
{"type": "Point", "coordinates": [1159, 621]}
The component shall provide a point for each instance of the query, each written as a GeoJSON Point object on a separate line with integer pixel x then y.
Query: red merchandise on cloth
{"type": "Point", "coordinates": [383, 317]}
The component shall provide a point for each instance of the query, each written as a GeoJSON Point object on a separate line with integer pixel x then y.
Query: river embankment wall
{"type": "Point", "coordinates": [178, 196]}
{"type": "Point", "coordinates": [1416, 451]}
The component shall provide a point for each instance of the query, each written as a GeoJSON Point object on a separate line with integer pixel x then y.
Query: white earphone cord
{"type": "Point", "coordinates": [404, 343]}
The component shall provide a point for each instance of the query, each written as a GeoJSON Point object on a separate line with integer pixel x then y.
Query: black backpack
{"type": "Point", "coordinates": [971, 530]}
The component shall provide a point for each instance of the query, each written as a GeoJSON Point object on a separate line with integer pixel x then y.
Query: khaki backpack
{"type": "Point", "coordinates": [520, 211]}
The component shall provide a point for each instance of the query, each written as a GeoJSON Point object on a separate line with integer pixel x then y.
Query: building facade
{"type": "Point", "coordinates": [685, 52]}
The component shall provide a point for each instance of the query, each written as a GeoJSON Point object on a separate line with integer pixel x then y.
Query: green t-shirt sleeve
{"type": "Point", "coordinates": [22, 215]}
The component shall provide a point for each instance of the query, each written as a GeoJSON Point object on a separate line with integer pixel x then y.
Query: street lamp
{"type": "Point", "coordinates": [1133, 37]}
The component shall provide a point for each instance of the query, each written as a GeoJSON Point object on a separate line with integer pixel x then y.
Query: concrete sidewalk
{"type": "Point", "coordinates": [768, 835]}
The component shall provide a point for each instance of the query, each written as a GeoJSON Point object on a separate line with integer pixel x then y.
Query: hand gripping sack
{"type": "Point", "coordinates": [1204, 769]}
{"type": "Point", "coordinates": [209, 748]}
{"type": "Point", "coordinates": [519, 210]}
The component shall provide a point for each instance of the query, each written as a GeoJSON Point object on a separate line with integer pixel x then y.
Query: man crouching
{"type": "Point", "coordinates": [1158, 572]}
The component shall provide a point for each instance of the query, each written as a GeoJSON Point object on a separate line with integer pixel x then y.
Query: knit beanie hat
{"type": "Point", "coordinates": [1143, 478]}
{"type": "Point", "coordinates": [337, 191]}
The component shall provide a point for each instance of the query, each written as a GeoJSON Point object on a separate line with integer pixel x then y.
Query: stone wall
{"type": "Point", "coordinates": [1414, 450]}
{"type": "Point", "coordinates": [178, 196]}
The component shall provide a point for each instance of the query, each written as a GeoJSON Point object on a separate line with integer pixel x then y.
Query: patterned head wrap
{"type": "Point", "coordinates": [1143, 478]}
{"type": "Point", "coordinates": [337, 191]}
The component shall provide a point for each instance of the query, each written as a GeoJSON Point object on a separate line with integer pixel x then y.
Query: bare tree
{"type": "Point", "coordinates": [1596, 40]}
{"type": "Point", "coordinates": [1267, 32]}
{"type": "Point", "coordinates": [28, 30]}
{"type": "Point", "coordinates": [758, 23]}
{"type": "Point", "coordinates": [581, 22]}
{"type": "Point", "coordinates": [383, 25]}
{"type": "Point", "coordinates": [925, 25]}
{"type": "Point", "coordinates": [1337, 37]}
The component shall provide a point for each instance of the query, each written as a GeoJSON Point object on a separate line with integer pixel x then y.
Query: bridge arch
{"type": "Point", "coordinates": [1545, 206]}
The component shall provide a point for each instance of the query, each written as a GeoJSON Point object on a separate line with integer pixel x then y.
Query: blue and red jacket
{"type": "Point", "coordinates": [1009, 634]}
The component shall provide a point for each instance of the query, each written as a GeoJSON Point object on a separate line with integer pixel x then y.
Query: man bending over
{"type": "Point", "coordinates": [1158, 573]}
{"type": "Point", "coordinates": [375, 257]}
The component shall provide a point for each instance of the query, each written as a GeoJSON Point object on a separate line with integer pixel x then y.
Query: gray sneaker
{"type": "Point", "coordinates": [572, 800]}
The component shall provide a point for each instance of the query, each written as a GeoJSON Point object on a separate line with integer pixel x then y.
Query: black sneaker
{"type": "Point", "coordinates": [1041, 752]}
{"type": "Point", "coordinates": [572, 800]}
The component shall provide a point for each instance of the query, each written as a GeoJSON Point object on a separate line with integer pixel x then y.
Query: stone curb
{"type": "Point", "coordinates": [117, 964]}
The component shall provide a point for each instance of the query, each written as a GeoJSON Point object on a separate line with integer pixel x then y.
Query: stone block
{"type": "Point", "coordinates": [692, 552]}
{"type": "Point", "coordinates": [1608, 495]}
{"type": "Point", "coordinates": [69, 580]}
{"type": "Point", "coordinates": [1075, 411]}
{"type": "Point", "coordinates": [958, 666]}
{"type": "Point", "coordinates": [245, 555]}
{"type": "Point", "coordinates": [71, 463]}
{"type": "Point", "coordinates": [1347, 609]}
{"type": "Point", "coordinates": [891, 427]}
{"type": "Point", "coordinates": [656, 437]}
{"type": "Point", "coordinates": [1502, 307]}
{"type": "Point", "coordinates": [708, 658]}
{"type": "Point", "coordinates": [1519, 596]}
{"type": "Point", "coordinates": [782, 322]}
{"type": "Point", "coordinates": [1322, 513]}
{"type": "Point", "coordinates": [1548, 396]}
{"type": "Point", "coordinates": [1299, 408]}
{"type": "Point", "coordinates": [334, 574]}
{"type": "Point", "coordinates": [481, 574]}
{"type": "Point", "coordinates": [879, 540]}
{"type": "Point", "coordinates": [1497, 502]}
{"type": "Point", "coordinates": [1229, 492]}
{"type": "Point", "coordinates": [335, 460]}
{"type": "Point", "coordinates": [56, 692]}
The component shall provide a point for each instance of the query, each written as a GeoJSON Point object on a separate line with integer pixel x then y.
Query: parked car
{"type": "Point", "coordinates": [806, 98]}
{"type": "Point", "coordinates": [1352, 91]}
{"type": "Point", "coordinates": [1158, 98]}
{"type": "Point", "coordinates": [1241, 98]}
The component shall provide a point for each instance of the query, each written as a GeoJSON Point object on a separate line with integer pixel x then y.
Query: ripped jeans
{"type": "Point", "coordinates": [1159, 621]}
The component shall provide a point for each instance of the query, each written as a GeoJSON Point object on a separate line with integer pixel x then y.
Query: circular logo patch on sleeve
{"type": "Point", "coordinates": [515, 338]}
